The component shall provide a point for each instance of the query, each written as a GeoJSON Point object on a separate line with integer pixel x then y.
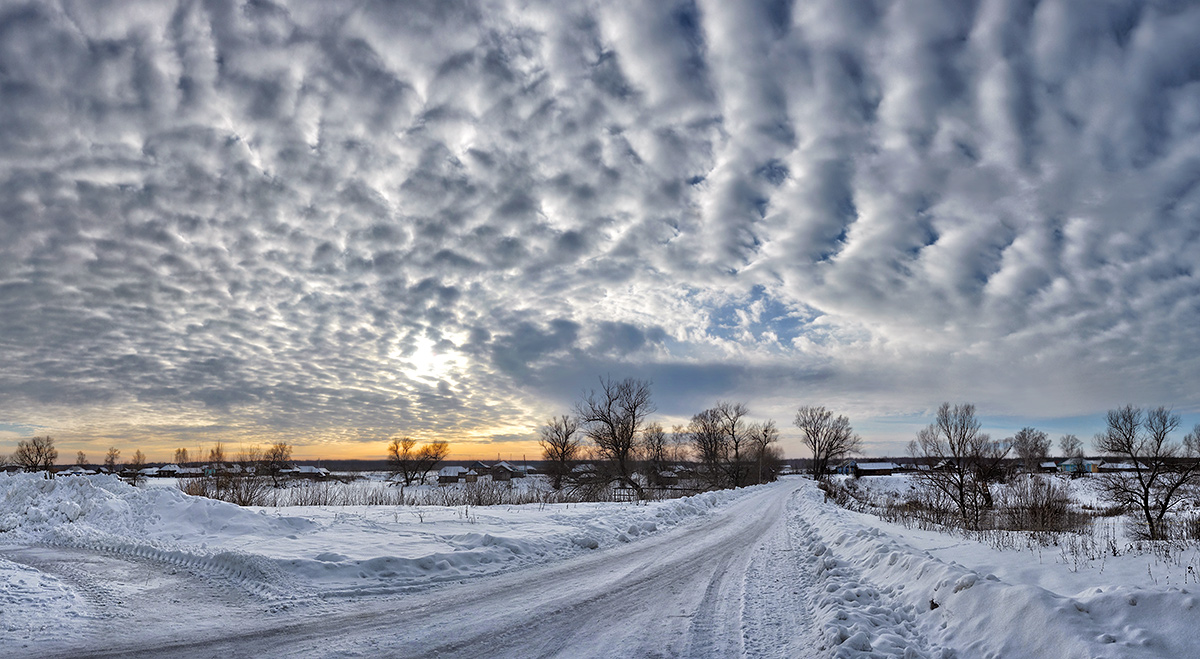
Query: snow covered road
{"type": "Point", "coordinates": [729, 584]}
{"type": "Point", "coordinates": [97, 568]}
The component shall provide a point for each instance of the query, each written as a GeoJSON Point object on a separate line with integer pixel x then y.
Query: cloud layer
{"type": "Point", "coordinates": [335, 221]}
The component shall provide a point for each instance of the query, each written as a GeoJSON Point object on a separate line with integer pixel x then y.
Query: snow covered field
{"type": "Point", "coordinates": [90, 566]}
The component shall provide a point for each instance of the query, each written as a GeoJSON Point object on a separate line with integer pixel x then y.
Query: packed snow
{"type": "Point", "coordinates": [794, 575]}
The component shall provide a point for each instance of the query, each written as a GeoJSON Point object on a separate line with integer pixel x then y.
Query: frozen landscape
{"type": "Point", "coordinates": [91, 566]}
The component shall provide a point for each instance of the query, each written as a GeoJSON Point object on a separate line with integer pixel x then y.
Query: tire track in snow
{"type": "Point", "coordinates": [696, 590]}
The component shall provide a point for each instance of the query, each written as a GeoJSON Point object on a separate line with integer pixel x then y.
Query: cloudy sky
{"type": "Point", "coordinates": [332, 222]}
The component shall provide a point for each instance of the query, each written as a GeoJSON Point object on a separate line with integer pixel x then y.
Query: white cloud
{"type": "Point", "coordinates": [450, 216]}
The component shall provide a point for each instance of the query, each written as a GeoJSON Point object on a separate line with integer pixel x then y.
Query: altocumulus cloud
{"type": "Point", "coordinates": [332, 221]}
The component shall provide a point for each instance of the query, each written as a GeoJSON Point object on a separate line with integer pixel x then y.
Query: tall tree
{"type": "Point", "coordinates": [733, 432]}
{"type": "Point", "coordinates": [1158, 479]}
{"type": "Point", "coordinates": [181, 456]}
{"type": "Point", "coordinates": [655, 449]}
{"type": "Point", "coordinates": [81, 459]}
{"type": "Point", "coordinates": [135, 467]}
{"type": "Point", "coordinates": [276, 458]}
{"type": "Point", "coordinates": [36, 454]}
{"type": "Point", "coordinates": [828, 437]}
{"type": "Point", "coordinates": [560, 446]}
{"type": "Point", "coordinates": [111, 458]}
{"type": "Point", "coordinates": [430, 455]}
{"type": "Point", "coordinates": [1031, 446]}
{"type": "Point", "coordinates": [414, 465]}
{"type": "Point", "coordinates": [966, 459]}
{"type": "Point", "coordinates": [401, 460]}
{"type": "Point", "coordinates": [612, 418]}
{"type": "Point", "coordinates": [762, 437]}
{"type": "Point", "coordinates": [1071, 446]}
{"type": "Point", "coordinates": [708, 445]}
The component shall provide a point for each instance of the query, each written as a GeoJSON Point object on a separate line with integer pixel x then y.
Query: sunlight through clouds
{"type": "Point", "coordinates": [340, 221]}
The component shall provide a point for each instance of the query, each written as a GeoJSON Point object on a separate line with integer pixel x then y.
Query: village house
{"type": "Point", "coordinates": [502, 471]}
{"type": "Point", "coordinates": [454, 474]}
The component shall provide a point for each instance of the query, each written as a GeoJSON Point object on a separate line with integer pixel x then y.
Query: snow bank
{"type": "Point", "coordinates": [880, 596]}
{"type": "Point", "coordinates": [304, 551]}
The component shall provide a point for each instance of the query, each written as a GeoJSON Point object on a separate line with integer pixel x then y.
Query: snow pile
{"type": "Point", "coordinates": [79, 510]}
{"type": "Point", "coordinates": [880, 596]}
{"type": "Point", "coordinates": [301, 551]}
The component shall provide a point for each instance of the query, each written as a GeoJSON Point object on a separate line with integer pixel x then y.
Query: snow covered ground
{"type": "Point", "coordinates": [91, 566]}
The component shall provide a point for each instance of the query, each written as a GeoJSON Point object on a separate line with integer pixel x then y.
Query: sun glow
{"type": "Point", "coordinates": [429, 364]}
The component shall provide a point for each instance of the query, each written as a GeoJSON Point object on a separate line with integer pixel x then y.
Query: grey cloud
{"type": "Point", "coordinates": [441, 215]}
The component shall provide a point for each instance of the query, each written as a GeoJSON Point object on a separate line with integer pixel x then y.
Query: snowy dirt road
{"type": "Point", "coordinates": [727, 584]}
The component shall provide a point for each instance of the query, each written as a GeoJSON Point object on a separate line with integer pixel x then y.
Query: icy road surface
{"type": "Point", "coordinates": [729, 584]}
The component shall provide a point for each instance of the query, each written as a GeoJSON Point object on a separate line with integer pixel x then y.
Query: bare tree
{"type": "Point", "coordinates": [411, 465]}
{"type": "Point", "coordinates": [1158, 478]}
{"type": "Point", "coordinates": [560, 447]}
{"type": "Point", "coordinates": [111, 458]}
{"type": "Point", "coordinates": [1071, 446]}
{"type": "Point", "coordinates": [655, 451]}
{"type": "Point", "coordinates": [135, 467]}
{"type": "Point", "coordinates": [216, 456]}
{"type": "Point", "coordinates": [733, 432]}
{"type": "Point", "coordinates": [276, 458]}
{"type": "Point", "coordinates": [708, 444]}
{"type": "Point", "coordinates": [679, 444]}
{"type": "Point", "coordinates": [428, 458]}
{"type": "Point", "coordinates": [964, 459]}
{"type": "Point", "coordinates": [81, 459]}
{"type": "Point", "coordinates": [612, 419]}
{"type": "Point", "coordinates": [181, 456]}
{"type": "Point", "coordinates": [762, 436]}
{"type": "Point", "coordinates": [828, 437]}
{"type": "Point", "coordinates": [1031, 446]}
{"type": "Point", "coordinates": [36, 454]}
{"type": "Point", "coordinates": [401, 460]}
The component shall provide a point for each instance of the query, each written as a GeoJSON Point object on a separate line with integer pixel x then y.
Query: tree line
{"type": "Point", "coordinates": [609, 440]}
{"type": "Point", "coordinates": [963, 468]}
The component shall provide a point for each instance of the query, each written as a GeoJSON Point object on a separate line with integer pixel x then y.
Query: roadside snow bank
{"type": "Point", "coordinates": [302, 551]}
{"type": "Point", "coordinates": [879, 596]}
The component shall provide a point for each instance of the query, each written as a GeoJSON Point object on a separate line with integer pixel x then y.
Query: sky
{"type": "Point", "coordinates": [331, 223]}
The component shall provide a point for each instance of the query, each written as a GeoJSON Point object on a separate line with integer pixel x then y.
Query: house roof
{"type": "Point", "coordinates": [453, 471]}
{"type": "Point", "coordinates": [875, 466]}
{"type": "Point", "coordinates": [309, 469]}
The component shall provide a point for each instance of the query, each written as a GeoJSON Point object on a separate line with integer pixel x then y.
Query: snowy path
{"type": "Point", "coordinates": [728, 584]}
{"type": "Point", "coordinates": [767, 571]}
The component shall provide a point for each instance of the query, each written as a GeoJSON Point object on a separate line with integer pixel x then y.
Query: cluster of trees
{"type": "Point", "coordinates": [610, 430]}
{"type": "Point", "coordinates": [1156, 474]}
{"type": "Point", "coordinates": [36, 454]}
{"type": "Point", "coordinates": [410, 464]}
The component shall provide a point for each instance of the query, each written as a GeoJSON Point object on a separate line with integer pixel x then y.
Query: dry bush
{"type": "Point", "coordinates": [1037, 503]}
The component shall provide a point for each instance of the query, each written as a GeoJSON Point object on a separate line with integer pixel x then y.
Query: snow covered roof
{"type": "Point", "coordinates": [454, 471]}
{"type": "Point", "coordinates": [1048, 465]}
{"type": "Point", "coordinates": [308, 469]}
{"type": "Point", "coordinates": [876, 466]}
